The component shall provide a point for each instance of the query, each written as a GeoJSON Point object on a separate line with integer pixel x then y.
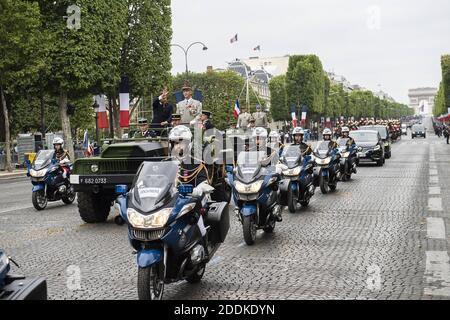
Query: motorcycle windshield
{"type": "Point", "coordinates": [342, 143]}
{"type": "Point", "coordinates": [154, 185]}
{"type": "Point", "coordinates": [249, 164]}
{"type": "Point", "coordinates": [291, 156]}
{"type": "Point", "coordinates": [322, 149]}
{"type": "Point", "coordinates": [43, 159]}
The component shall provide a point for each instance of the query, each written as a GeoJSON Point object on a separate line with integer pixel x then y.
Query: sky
{"type": "Point", "coordinates": [394, 45]}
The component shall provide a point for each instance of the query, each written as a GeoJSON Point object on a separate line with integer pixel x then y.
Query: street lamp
{"type": "Point", "coordinates": [186, 51]}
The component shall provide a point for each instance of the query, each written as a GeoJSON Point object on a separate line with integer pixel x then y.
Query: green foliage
{"type": "Point", "coordinates": [279, 109]}
{"type": "Point", "coordinates": [305, 84]}
{"type": "Point", "coordinates": [445, 65]}
{"type": "Point", "coordinates": [145, 56]}
{"type": "Point", "coordinates": [220, 90]}
{"type": "Point", "coordinates": [439, 107]}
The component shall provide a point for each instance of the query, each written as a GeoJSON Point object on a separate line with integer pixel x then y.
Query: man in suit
{"type": "Point", "coordinates": [189, 109]}
{"type": "Point", "coordinates": [162, 112]}
{"type": "Point", "coordinates": [260, 117]}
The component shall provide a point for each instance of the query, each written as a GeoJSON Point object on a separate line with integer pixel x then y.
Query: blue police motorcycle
{"type": "Point", "coordinates": [174, 230]}
{"type": "Point", "coordinates": [327, 165]}
{"type": "Point", "coordinates": [46, 175]}
{"type": "Point", "coordinates": [348, 159]}
{"type": "Point", "coordinates": [297, 185]}
{"type": "Point", "coordinates": [255, 186]}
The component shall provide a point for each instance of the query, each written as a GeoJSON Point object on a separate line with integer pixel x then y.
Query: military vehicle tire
{"type": "Point", "coordinates": [93, 208]}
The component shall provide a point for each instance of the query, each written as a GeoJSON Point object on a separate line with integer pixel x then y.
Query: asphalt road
{"type": "Point", "coordinates": [383, 235]}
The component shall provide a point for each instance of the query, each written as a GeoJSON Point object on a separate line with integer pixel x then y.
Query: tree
{"type": "Point", "coordinates": [445, 65]}
{"type": "Point", "coordinates": [86, 60]}
{"type": "Point", "coordinates": [145, 54]}
{"type": "Point", "coordinates": [279, 109]}
{"type": "Point", "coordinates": [439, 102]}
{"type": "Point", "coordinates": [305, 83]}
{"type": "Point", "coordinates": [20, 57]}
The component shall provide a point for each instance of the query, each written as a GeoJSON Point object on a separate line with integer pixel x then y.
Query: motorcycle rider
{"type": "Point", "coordinates": [327, 137]}
{"type": "Point", "coordinates": [298, 135]}
{"type": "Point", "coordinates": [61, 155]}
{"type": "Point", "coordinates": [192, 171]}
{"type": "Point", "coordinates": [351, 144]}
{"type": "Point", "coordinates": [274, 142]}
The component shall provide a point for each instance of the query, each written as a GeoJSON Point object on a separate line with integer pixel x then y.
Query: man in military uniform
{"type": "Point", "coordinates": [189, 109]}
{"type": "Point", "coordinates": [176, 120]}
{"type": "Point", "coordinates": [243, 119]}
{"type": "Point", "coordinates": [206, 120]}
{"type": "Point", "coordinates": [252, 124]}
{"type": "Point", "coordinates": [143, 131]}
{"type": "Point", "coordinates": [260, 117]}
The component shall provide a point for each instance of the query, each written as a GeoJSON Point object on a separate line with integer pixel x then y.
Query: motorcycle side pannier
{"type": "Point", "coordinates": [218, 219]}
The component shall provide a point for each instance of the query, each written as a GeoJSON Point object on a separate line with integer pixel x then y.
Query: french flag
{"type": "Point", "coordinates": [102, 116]}
{"type": "Point", "coordinates": [87, 146]}
{"type": "Point", "coordinates": [294, 117]}
{"type": "Point", "coordinates": [236, 110]}
{"type": "Point", "coordinates": [124, 98]}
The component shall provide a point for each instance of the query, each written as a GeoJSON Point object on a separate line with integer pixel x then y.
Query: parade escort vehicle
{"type": "Point", "coordinates": [18, 287]}
{"type": "Point", "coordinates": [327, 165]}
{"type": "Point", "coordinates": [347, 167]}
{"type": "Point", "coordinates": [174, 228]}
{"type": "Point", "coordinates": [49, 181]}
{"type": "Point", "coordinates": [370, 146]}
{"type": "Point", "coordinates": [95, 179]}
{"type": "Point", "coordinates": [385, 136]}
{"type": "Point", "coordinates": [254, 185]}
{"type": "Point", "coordinates": [418, 130]}
{"type": "Point", "coordinates": [297, 185]}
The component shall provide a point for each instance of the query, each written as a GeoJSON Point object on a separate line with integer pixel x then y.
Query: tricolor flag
{"type": "Point", "coordinates": [236, 110]}
{"type": "Point", "coordinates": [234, 39]}
{"type": "Point", "coordinates": [124, 97]}
{"type": "Point", "coordinates": [303, 121]}
{"type": "Point", "coordinates": [102, 117]}
{"type": "Point", "coordinates": [294, 117]}
{"type": "Point", "coordinates": [257, 48]}
{"type": "Point", "coordinates": [87, 146]}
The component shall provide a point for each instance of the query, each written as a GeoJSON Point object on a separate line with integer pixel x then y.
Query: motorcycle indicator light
{"type": "Point", "coordinates": [185, 188]}
{"type": "Point", "coordinates": [121, 189]}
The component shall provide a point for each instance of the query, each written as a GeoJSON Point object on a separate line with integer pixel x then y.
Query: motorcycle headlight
{"type": "Point", "coordinates": [292, 172]}
{"type": "Point", "coordinates": [377, 147]}
{"type": "Point", "coordinates": [248, 188]}
{"type": "Point", "coordinates": [345, 154]}
{"type": "Point", "coordinates": [154, 220]}
{"type": "Point", "coordinates": [38, 173]}
{"type": "Point", "coordinates": [94, 168]}
{"type": "Point", "coordinates": [323, 162]}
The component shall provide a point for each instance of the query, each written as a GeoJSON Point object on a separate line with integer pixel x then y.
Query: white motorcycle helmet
{"type": "Point", "coordinates": [180, 139]}
{"type": "Point", "coordinates": [274, 137]}
{"type": "Point", "coordinates": [259, 132]}
{"type": "Point", "coordinates": [327, 131]}
{"type": "Point", "coordinates": [298, 130]}
{"type": "Point", "coordinates": [58, 140]}
{"type": "Point", "coordinates": [345, 130]}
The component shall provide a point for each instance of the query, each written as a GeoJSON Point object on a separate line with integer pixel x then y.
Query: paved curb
{"type": "Point", "coordinates": [4, 176]}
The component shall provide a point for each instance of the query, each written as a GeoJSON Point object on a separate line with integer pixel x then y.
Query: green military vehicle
{"type": "Point", "coordinates": [94, 179]}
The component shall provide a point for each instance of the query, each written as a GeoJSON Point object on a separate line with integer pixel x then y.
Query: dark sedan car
{"type": "Point", "coordinates": [370, 146]}
{"type": "Point", "coordinates": [384, 133]}
{"type": "Point", "coordinates": [418, 130]}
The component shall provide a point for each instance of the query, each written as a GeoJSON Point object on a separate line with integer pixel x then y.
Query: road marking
{"type": "Point", "coordinates": [241, 244]}
{"type": "Point", "coordinates": [15, 209]}
{"type": "Point", "coordinates": [435, 228]}
{"type": "Point", "coordinates": [434, 180]}
{"type": "Point", "coordinates": [435, 190]}
{"type": "Point", "coordinates": [437, 274]}
{"type": "Point", "coordinates": [433, 172]}
{"type": "Point", "coordinates": [435, 204]}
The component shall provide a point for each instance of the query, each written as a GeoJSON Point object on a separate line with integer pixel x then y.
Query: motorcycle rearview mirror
{"type": "Point", "coordinates": [121, 189]}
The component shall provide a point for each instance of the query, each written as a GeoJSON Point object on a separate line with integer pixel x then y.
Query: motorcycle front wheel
{"type": "Point", "coordinates": [69, 198]}
{"type": "Point", "coordinates": [291, 201]}
{"type": "Point", "coordinates": [324, 188]}
{"type": "Point", "coordinates": [39, 200]}
{"type": "Point", "coordinates": [150, 284]}
{"type": "Point", "coordinates": [249, 228]}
